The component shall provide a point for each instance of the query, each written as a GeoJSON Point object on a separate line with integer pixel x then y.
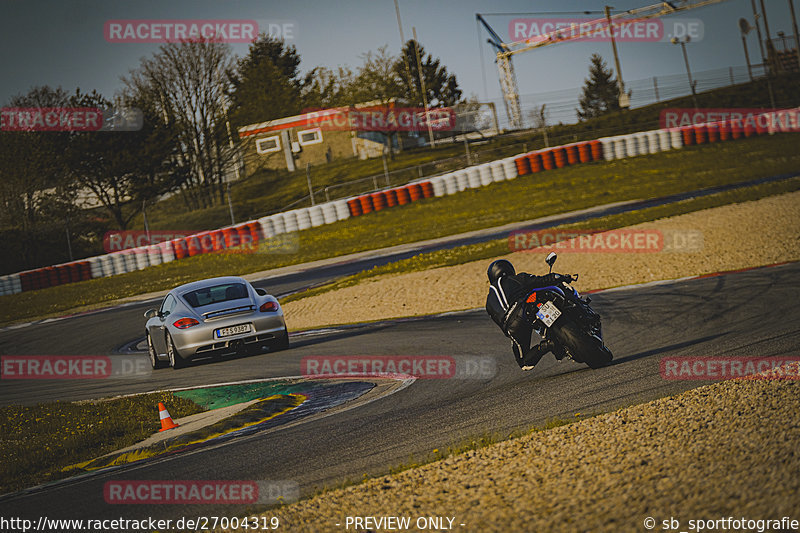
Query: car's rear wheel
{"type": "Point", "coordinates": [282, 342]}
{"type": "Point", "coordinates": [175, 360]}
{"type": "Point", "coordinates": [151, 351]}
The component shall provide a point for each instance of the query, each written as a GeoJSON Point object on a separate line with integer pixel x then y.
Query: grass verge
{"type": "Point", "coordinates": [266, 409]}
{"type": "Point", "coordinates": [524, 198]}
{"type": "Point", "coordinates": [492, 249]}
{"type": "Point", "coordinates": [39, 441]}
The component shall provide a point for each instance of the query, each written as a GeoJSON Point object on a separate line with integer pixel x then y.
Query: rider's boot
{"type": "Point", "coordinates": [529, 359]}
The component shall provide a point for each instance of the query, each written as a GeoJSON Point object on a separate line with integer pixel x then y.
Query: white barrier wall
{"type": "Point", "coordinates": [167, 251]}
{"type": "Point", "coordinates": [267, 229]}
{"type": "Point", "coordinates": [675, 138]}
{"type": "Point", "coordinates": [620, 147]}
{"type": "Point", "coordinates": [342, 209]}
{"type": "Point", "coordinates": [96, 266]}
{"type": "Point", "coordinates": [154, 254]}
{"type": "Point", "coordinates": [473, 177]}
{"type": "Point", "coordinates": [131, 256]}
{"type": "Point", "coordinates": [316, 216]}
{"type": "Point", "coordinates": [609, 152]}
{"type": "Point", "coordinates": [485, 174]}
{"type": "Point", "coordinates": [279, 223]}
{"type": "Point", "coordinates": [510, 168]}
{"type": "Point", "coordinates": [16, 283]}
{"type": "Point", "coordinates": [642, 144]}
{"type": "Point", "coordinates": [10, 284]}
{"type": "Point", "coordinates": [118, 261]}
{"type": "Point", "coordinates": [631, 145]}
{"type": "Point", "coordinates": [329, 213]}
{"type": "Point", "coordinates": [462, 181]}
{"type": "Point", "coordinates": [107, 265]}
{"type": "Point", "coordinates": [439, 189]}
{"type": "Point", "coordinates": [142, 257]}
{"type": "Point", "coordinates": [653, 145]}
{"type": "Point", "coordinates": [498, 174]}
{"type": "Point", "coordinates": [450, 185]}
{"type": "Point", "coordinates": [664, 142]}
{"type": "Point", "coordinates": [303, 218]}
{"type": "Point", "coordinates": [290, 221]}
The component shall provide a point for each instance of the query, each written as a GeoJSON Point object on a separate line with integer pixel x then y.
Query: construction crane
{"type": "Point", "coordinates": [508, 79]}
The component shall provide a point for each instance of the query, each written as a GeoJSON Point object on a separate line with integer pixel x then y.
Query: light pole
{"type": "Point", "coordinates": [796, 34]}
{"type": "Point", "coordinates": [422, 87]}
{"type": "Point", "coordinates": [624, 101]}
{"type": "Point", "coordinates": [745, 28]}
{"type": "Point", "coordinates": [692, 84]}
{"type": "Point", "coordinates": [756, 16]}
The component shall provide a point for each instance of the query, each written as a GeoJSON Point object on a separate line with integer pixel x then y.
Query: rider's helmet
{"type": "Point", "coordinates": [500, 268]}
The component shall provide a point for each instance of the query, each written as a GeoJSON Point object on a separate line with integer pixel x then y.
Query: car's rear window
{"type": "Point", "coordinates": [215, 294]}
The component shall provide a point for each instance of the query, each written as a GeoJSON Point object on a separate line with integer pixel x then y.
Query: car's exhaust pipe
{"type": "Point", "coordinates": [238, 346]}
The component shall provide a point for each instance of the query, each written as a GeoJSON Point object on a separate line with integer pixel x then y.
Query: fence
{"type": "Point", "coordinates": [561, 105]}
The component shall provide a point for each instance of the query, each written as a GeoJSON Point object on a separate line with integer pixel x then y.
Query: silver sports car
{"type": "Point", "coordinates": [214, 317]}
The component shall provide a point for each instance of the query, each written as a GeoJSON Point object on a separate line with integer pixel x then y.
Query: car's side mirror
{"type": "Point", "coordinates": [150, 313]}
{"type": "Point", "coordinates": [261, 292]}
{"type": "Point", "coordinates": [551, 259]}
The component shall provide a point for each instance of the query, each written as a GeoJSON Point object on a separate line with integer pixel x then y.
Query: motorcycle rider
{"type": "Point", "coordinates": [506, 305]}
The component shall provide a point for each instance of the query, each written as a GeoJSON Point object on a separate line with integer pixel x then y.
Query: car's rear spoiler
{"type": "Point", "coordinates": [231, 311]}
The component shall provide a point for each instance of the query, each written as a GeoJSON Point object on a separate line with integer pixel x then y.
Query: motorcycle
{"type": "Point", "coordinates": [557, 312]}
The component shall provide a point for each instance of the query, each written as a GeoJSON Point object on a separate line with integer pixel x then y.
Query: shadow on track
{"type": "Point", "coordinates": [668, 348]}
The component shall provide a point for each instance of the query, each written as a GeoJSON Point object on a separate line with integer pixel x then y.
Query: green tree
{"type": "Point", "coordinates": [377, 79]}
{"type": "Point", "coordinates": [441, 88]}
{"type": "Point", "coordinates": [266, 83]}
{"type": "Point", "coordinates": [123, 169]}
{"type": "Point", "coordinates": [325, 88]}
{"type": "Point", "coordinates": [600, 91]}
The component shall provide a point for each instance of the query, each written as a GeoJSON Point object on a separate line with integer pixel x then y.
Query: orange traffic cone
{"type": "Point", "coordinates": [166, 420]}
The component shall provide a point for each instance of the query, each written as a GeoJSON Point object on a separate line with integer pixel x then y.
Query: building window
{"type": "Point", "coordinates": [309, 136]}
{"type": "Point", "coordinates": [268, 144]}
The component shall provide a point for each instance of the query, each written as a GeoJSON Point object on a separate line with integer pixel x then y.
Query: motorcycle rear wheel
{"type": "Point", "coordinates": [584, 349]}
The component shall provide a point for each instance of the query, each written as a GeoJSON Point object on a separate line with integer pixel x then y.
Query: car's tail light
{"type": "Point", "coordinates": [531, 298]}
{"type": "Point", "coordinates": [184, 323]}
{"type": "Point", "coordinates": [268, 306]}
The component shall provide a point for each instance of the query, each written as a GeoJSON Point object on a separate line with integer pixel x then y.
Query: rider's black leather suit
{"type": "Point", "coordinates": [505, 304]}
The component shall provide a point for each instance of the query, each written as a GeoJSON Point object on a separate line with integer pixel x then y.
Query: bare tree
{"type": "Point", "coordinates": [32, 174]}
{"type": "Point", "coordinates": [186, 85]}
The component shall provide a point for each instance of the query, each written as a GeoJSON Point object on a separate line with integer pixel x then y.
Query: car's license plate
{"type": "Point", "coordinates": [548, 313]}
{"type": "Point", "coordinates": [233, 330]}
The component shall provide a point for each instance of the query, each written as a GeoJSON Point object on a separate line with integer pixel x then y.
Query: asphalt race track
{"type": "Point", "coordinates": [753, 313]}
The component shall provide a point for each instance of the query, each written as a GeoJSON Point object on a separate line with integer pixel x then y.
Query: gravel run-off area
{"type": "Point", "coordinates": [749, 234]}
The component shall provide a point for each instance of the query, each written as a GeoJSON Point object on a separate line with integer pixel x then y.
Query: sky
{"type": "Point", "coordinates": [62, 42]}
